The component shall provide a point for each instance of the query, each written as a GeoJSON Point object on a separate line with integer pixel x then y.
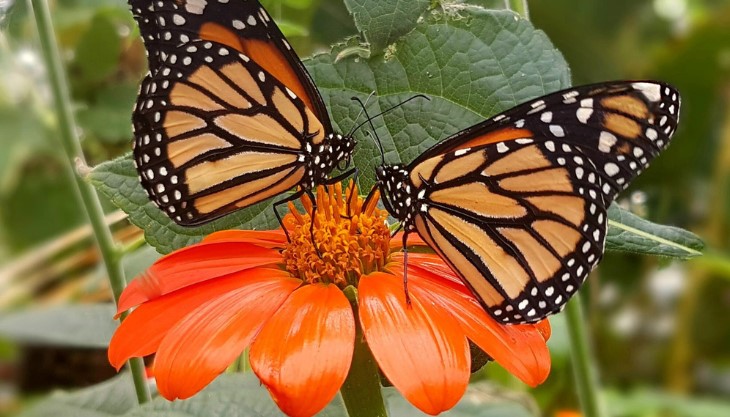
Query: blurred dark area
{"type": "Point", "coordinates": [659, 328]}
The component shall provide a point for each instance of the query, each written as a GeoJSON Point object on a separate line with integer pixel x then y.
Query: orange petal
{"type": "Point", "coordinates": [303, 353]}
{"type": "Point", "coordinates": [194, 264]}
{"type": "Point", "coordinates": [265, 238]}
{"type": "Point", "coordinates": [142, 331]}
{"type": "Point", "coordinates": [206, 341]}
{"type": "Point", "coordinates": [543, 326]}
{"type": "Point", "coordinates": [428, 261]}
{"type": "Point", "coordinates": [519, 349]}
{"type": "Point", "coordinates": [423, 352]}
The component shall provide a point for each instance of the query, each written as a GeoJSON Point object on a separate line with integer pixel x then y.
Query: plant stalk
{"type": "Point", "coordinates": [586, 377]}
{"type": "Point", "coordinates": [519, 6]}
{"type": "Point", "coordinates": [680, 361]}
{"type": "Point", "coordinates": [74, 156]}
{"type": "Point", "coordinates": [361, 392]}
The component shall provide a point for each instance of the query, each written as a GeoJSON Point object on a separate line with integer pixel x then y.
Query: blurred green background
{"type": "Point", "coordinates": [660, 330]}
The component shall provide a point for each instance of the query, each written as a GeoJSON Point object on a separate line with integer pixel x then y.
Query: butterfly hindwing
{"type": "Point", "coordinates": [216, 132]}
{"type": "Point", "coordinates": [517, 204]}
{"type": "Point", "coordinates": [514, 224]}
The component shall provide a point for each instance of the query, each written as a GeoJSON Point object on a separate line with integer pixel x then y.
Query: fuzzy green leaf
{"type": "Point", "coordinates": [628, 232]}
{"type": "Point", "coordinates": [382, 22]}
{"type": "Point", "coordinates": [110, 398]}
{"type": "Point", "coordinates": [97, 53]}
{"type": "Point", "coordinates": [71, 326]}
{"type": "Point", "coordinates": [472, 64]}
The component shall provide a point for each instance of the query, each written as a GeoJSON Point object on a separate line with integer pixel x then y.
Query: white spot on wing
{"type": "Point", "coordinates": [557, 131]}
{"type": "Point", "coordinates": [583, 114]}
{"type": "Point", "coordinates": [606, 141]}
{"type": "Point", "coordinates": [651, 91]}
{"type": "Point", "coordinates": [195, 6]}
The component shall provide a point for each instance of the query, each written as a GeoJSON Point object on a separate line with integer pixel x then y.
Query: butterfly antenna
{"type": "Point", "coordinates": [391, 108]}
{"type": "Point", "coordinates": [352, 132]}
{"type": "Point", "coordinates": [370, 120]}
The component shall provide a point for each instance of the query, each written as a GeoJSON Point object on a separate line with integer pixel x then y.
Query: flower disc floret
{"type": "Point", "coordinates": [351, 240]}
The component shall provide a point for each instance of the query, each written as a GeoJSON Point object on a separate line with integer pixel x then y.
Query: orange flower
{"type": "Point", "coordinates": [199, 308]}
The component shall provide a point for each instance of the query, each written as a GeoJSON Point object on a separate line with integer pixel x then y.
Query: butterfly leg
{"type": "Point", "coordinates": [313, 199]}
{"type": "Point", "coordinates": [346, 174]}
{"type": "Point", "coordinates": [292, 197]}
{"type": "Point", "coordinates": [405, 268]}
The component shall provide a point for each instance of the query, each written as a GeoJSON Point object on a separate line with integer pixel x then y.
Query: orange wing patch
{"type": "Point", "coordinates": [264, 53]}
{"type": "Point", "coordinates": [512, 276]}
{"type": "Point", "coordinates": [249, 192]}
{"type": "Point", "coordinates": [555, 179]}
{"type": "Point", "coordinates": [477, 198]}
{"type": "Point", "coordinates": [523, 159]}
{"type": "Point", "coordinates": [627, 104]}
{"type": "Point", "coordinates": [500, 135]}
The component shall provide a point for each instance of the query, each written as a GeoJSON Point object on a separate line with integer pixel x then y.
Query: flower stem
{"type": "Point", "coordinates": [74, 156]}
{"type": "Point", "coordinates": [361, 391]}
{"type": "Point", "coordinates": [586, 378]}
{"type": "Point", "coordinates": [519, 6]}
{"type": "Point", "coordinates": [681, 359]}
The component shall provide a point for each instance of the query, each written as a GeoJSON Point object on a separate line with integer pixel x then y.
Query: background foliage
{"type": "Point", "coordinates": [659, 328]}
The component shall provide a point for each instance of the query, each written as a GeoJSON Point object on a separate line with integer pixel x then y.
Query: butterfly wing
{"type": "Point", "coordinates": [216, 132]}
{"type": "Point", "coordinates": [517, 205]}
{"type": "Point", "coordinates": [241, 25]}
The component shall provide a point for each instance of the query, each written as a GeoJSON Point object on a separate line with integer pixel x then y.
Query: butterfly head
{"type": "Point", "coordinates": [397, 191]}
{"type": "Point", "coordinates": [342, 147]}
{"type": "Point", "coordinates": [334, 152]}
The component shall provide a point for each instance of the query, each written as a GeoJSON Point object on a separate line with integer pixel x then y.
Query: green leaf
{"type": "Point", "coordinates": [292, 29]}
{"type": "Point", "coordinates": [230, 395]}
{"type": "Point", "coordinates": [38, 207]}
{"type": "Point", "coordinates": [108, 117]}
{"type": "Point", "coordinates": [233, 395]}
{"type": "Point", "coordinates": [628, 232]}
{"type": "Point", "coordinates": [482, 399]}
{"type": "Point", "coordinates": [472, 65]}
{"type": "Point", "coordinates": [138, 261]}
{"type": "Point", "coordinates": [24, 136]}
{"type": "Point", "coordinates": [73, 325]}
{"type": "Point", "coordinates": [97, 53]}
{"type": "Point", "coordinates": [118, 181]}
{"type": "Point", "coordinates": [645, 402]}
{"type": "Point", "coordinates": [382, 22]}
{"type": "Point", "coordinates": [110, 398]}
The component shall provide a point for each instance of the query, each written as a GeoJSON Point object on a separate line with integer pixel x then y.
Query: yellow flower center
{"type": "Point", "coordinates": [351, 240]}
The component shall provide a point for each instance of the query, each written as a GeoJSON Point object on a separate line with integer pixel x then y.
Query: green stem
{"type": "Point", "coordinates": [713, 262]}
{"type": "Point", "coordinates": [586, 378]}
{"type": "Point", "coordinates": [133, 246]}
{"type": "Point", "coordinates": [361, 391]}
{"type": "Point", "coordinates": [520, 7]}
{"type": "Point", "coordinates": [74, 155]}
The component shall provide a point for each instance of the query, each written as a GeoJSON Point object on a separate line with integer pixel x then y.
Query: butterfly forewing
{"type": "Point", "coordinates": [207, 139]}
{"type": "Point", "coordinates": [227, 115]}
{"type": "Point", "coordinates": [517, 204]}
{"type": "Point", "coordinates": [242, 25]}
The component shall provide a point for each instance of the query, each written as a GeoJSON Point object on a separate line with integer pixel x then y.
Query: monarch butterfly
{"type": "Point", "coordinates": [517, 204]}
{"type": "Point", "coordinates": [227, 115]}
